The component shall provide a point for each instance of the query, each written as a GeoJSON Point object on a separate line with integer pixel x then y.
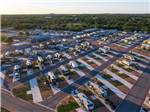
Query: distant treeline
{"type": "Point", "coordinates": [126, 22]}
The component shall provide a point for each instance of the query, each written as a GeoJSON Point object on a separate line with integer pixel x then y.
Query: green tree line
{"type": "Point", "coordinates": [126, 22]}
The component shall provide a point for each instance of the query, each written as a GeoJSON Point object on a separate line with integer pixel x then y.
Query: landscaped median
{"type": "Point", "coordinates": [67, 106]}
{"type": "Point", "coordinates": [21, 92]}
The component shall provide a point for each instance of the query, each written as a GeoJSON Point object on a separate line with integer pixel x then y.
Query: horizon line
{"type": "Point", "coordinates": [72, 13]}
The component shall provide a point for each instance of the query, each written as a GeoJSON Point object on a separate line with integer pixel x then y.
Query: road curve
{"type": "Point", "coordinates": [14, 104]}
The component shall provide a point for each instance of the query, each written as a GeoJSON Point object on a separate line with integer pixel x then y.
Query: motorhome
{"type": "Point", "coordinates": [40, 59]}
{"type": "Point", "coordinates": [146, 45]}
{"type": "Point", "coordinates": [16, 67]}
{"type": "Point", "coordinates": [129, 57]}
{"type": "Point", "coordinates": [51, 76]}
{"type": "Point", "coordinates": [16, 76]}
{"type": "Point", "coordinates": [49, 57]}
{"type": "Point", "coordinates": [126, 62]}
{"type": "Point", "coordinates": [63, 68]}
{"type": "Point", "coordinates": [99, 90]}
{"type": "Point", "coordinates": [106, 47]}
{"type": "Point", "coordinates": [28, 62]}
{"type": "Point", "coordinates": [88, 104]}
{"type": "Point", "coordinates": [7, 53]}
{"type": "Point", "coordinates": [149, 100]}
{"type": "Point", "coordinates": [73, 64]}
{"type": "Point", "coordinates": [57, 55]}
{"type": "Point", "coordinates": [102, 50]}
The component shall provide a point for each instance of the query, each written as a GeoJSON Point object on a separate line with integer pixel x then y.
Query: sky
{"type": "Point", "coordinates": [73, 6]}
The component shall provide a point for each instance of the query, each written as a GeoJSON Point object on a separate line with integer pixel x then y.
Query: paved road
{"type": "Point", "coordinates": [45, 70]}
{"type": "Point", "coordinates": [17, 105]}
{"type": "Point", "coordinates": [14, 104]}
{"type": "Point", "coordinates": [50, 102]}
{"type": "Point", "coordinates": [27, 78]}
{"type": "Point", "coordinates": [86, 78]}
{"type": "Point", "coordinates": [137, 94]}
{"type": "Point", "coordinates": [55, 100]}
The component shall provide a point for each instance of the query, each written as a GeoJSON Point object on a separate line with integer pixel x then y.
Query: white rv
{"type": "Point", "coordinates": [99, 90]}
{"type": "Point", "coordinates": [28, 62]}
{"type": "Point", "coordinates": [126, 62]}
{"type": "Point", "coordinates": [89, 105]}
{"type": "Point", "coordinates": [64, 68]}
{"type": "Point", "coordinates": [16, 76]}
{"type": "Point", "coordinates": [73, 64]}
{"type": "Point", "coordinates": [16, 67]}
{"type": "Point", "coordinates": [51, 76]}
{"type": "Point", "coordinates": [40, 59]}
{"type": "Point", "coordinates": [129, 57]}
{"type": "Point", "coordinates": [102, 50]}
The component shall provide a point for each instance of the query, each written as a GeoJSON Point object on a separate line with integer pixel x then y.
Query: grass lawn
{"type": "Point", "coordinates": [114, 70]}
{"type": "Point", "coordinates": [57, 73]}
{"type": "Point", "coordinates": [90, 62]}
{"type": "Point", "coordinates": [21, 92]}
{"type": "Point", "coordinates": [67, 108]}
{"type": "Point", "coordinates": [120, 65]}
{"type": "Point", "coordinates": [129, 69]}
{"type": "Point", "coordinates": [122, 75]}
{"type": "Point", "coordinates": [116, 83]}
{"type": "Point", "coordinates": [71, 73]}
{"type": "Point", "coordinates": [106, 76]}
